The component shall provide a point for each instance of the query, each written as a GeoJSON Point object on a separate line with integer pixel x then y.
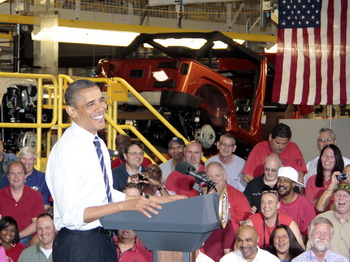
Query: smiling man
{"type": "Point", "coordinates": [176, 148]}
{"type": "Point", "coordinates": [320, 234]}
{"type": "Point", "coordinates": [20, 201]}
{"type": "Point", "coordinates": [41, 251]}
{"type": "Point", "coordinates": [340, 218]}
{"type": "Point", "coordinates": [133, 155]}
{"type": "Point", "coordinates": [79, 178]}
{"type": "Point", "coordinates": [265, 221]}
{"type": "Point", "coordinates": [293, 204]}
{"type": "Point", "coordinates": [233, 164]}
{"type": "Point", "coordinates": [247, 244]}
{"type": "Point", "coordinates": [34, 178]}
{"type": "Point", "coordinates": [279, 143]}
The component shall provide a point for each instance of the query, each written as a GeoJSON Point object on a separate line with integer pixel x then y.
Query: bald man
{"type": "Point", "coordinates": [247, 240]}
{"type": "Point", "coordinates": [180, 183]}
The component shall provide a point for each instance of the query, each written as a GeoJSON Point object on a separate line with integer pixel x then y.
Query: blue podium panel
{"type": "Point", "coordinates": [181, 225]}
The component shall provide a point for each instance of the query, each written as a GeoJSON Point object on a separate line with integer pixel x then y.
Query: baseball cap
{"type": "Point", "coordinates": [291, 173]}
{"type": "Point", "coordinates": [343, 186]}
{"type": "Point", "coordinates": [176, 140]}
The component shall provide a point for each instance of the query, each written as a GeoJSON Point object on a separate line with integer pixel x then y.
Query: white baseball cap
{"type": "Point", "coordinates": [291, 173]}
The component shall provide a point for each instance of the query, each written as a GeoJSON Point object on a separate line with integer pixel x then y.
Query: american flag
{"type": "Point", "coordinates": [313, 54]}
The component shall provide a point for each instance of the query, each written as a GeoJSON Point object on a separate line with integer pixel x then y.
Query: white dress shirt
{"type": "Point", "coordinates": [75, 179]}
{"type": "Point", "coordinates": [261, 256]}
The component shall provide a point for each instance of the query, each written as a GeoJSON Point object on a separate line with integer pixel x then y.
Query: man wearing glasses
{"type": "Point", "coordinates": [265, 182]}
{"type": "Point", "coordinates": [326, 136]}
{"type": "Point", "coordinates": [133, 156]}
{"type": "Point", "coordinates": [233, 164]}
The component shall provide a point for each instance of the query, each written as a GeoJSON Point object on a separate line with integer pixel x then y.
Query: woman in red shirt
{"type": "Point", "coordinates": [9, 237]}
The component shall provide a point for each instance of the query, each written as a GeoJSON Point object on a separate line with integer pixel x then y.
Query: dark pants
{"type": "Point", "coordinates": [79, 246]}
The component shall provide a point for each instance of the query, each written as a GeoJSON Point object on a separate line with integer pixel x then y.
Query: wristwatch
{"type": "Point", "coordinates": [161, 187]}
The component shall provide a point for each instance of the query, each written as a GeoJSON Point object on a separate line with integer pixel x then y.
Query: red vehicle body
{"type": "Point", "coordinates": [206, 92]}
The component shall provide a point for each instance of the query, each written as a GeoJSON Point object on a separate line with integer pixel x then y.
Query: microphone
{"type": "Point", "coordinates": [187, 169]}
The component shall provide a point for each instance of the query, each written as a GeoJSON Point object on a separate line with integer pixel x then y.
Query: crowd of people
{"type": "Point", "coordinates": [281, 208]}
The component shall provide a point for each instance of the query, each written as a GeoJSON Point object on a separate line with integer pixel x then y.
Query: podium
{"type": "Point", "coordinates": [181, 225]}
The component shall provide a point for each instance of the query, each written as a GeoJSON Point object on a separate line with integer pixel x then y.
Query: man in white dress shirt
{"type": "Point", "coordinates": [247, 240]}
{"type": "Point", "coordinates": [82, 190]}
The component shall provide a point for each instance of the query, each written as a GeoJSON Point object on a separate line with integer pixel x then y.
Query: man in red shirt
{"type": "Point", "coordinates": [279, 142]}
{"type": "Point", "coordinates": [21, 202]}
{"type": "Point", "coordinates": [239, 205]}
{"type": "Point", "coordinates": [180, 183]}
{"type": "Point", "coordinates": [130, 248]}
{"type": "Point", "coordinates": [293, 204]}
{"type": "Point", "coordinates": [265, 221]}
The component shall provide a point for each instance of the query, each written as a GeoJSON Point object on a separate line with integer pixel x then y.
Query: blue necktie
{"type": "Point", "coordinates": [103, 167]}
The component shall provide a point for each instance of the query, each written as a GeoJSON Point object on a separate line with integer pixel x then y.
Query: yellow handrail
{"type": "Point", "coordinates": [38, 125]}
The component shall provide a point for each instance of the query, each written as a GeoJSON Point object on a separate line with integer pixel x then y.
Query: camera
{"type": "Point", "coordinates": [342, 176]}
{"type": "Point", "coordinates": [141, 177]}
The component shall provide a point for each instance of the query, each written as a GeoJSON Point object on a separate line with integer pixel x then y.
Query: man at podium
{"type": "Point", "coordinates": [79, 178]}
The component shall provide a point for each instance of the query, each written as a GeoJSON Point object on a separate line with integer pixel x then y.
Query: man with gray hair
{"type": "Point", "coordinates": [326, 136]}
{"type": "Point", "coordinates": [320, 234]}
{"type": "Point", "coordinates": [233, 164]}
{"type": "Point", "coordinates": [33, 177]}
{"type": "Point", "coordinates": [340, 218]}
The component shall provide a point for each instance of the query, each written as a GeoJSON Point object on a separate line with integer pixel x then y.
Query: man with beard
{"type": "Point", "coordinates": [320, 234]}
{"type": "Point", "coordinates": [247, 248]}
{"type": "Point", "coordinates": [293, 204]}
{"type": "Point", "coordinates": [340, 218]}
{"type": "Point", "coordinates": [180, 183]}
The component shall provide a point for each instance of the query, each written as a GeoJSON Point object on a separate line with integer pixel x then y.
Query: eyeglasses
{"type": "Point", "coordinates": [136, 153]}
{"type": "Point", "coordinates": [271, 169]}
{"type": "Point", "coordinates": [269, 192]}
{"type": "Point", "coordinates": [226, 145]}
{"type": "Point", "coordinates": [328, 139]}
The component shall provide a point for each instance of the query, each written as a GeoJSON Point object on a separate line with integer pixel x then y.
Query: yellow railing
{"type": "Point", "coordinates": [117, 90]}
{"type": "Point", "coordinates": [52, 98]}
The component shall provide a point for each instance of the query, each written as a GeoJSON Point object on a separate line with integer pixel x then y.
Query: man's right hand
{"type": "Point", "coordinates": [141, 204]}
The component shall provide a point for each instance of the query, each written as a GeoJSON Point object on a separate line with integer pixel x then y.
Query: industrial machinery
{"type": "Point", "coordinates": [219, 86]}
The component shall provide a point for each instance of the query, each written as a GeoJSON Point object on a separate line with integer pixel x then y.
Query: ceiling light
{"type": "Point", "coordinates": [85, 36]}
